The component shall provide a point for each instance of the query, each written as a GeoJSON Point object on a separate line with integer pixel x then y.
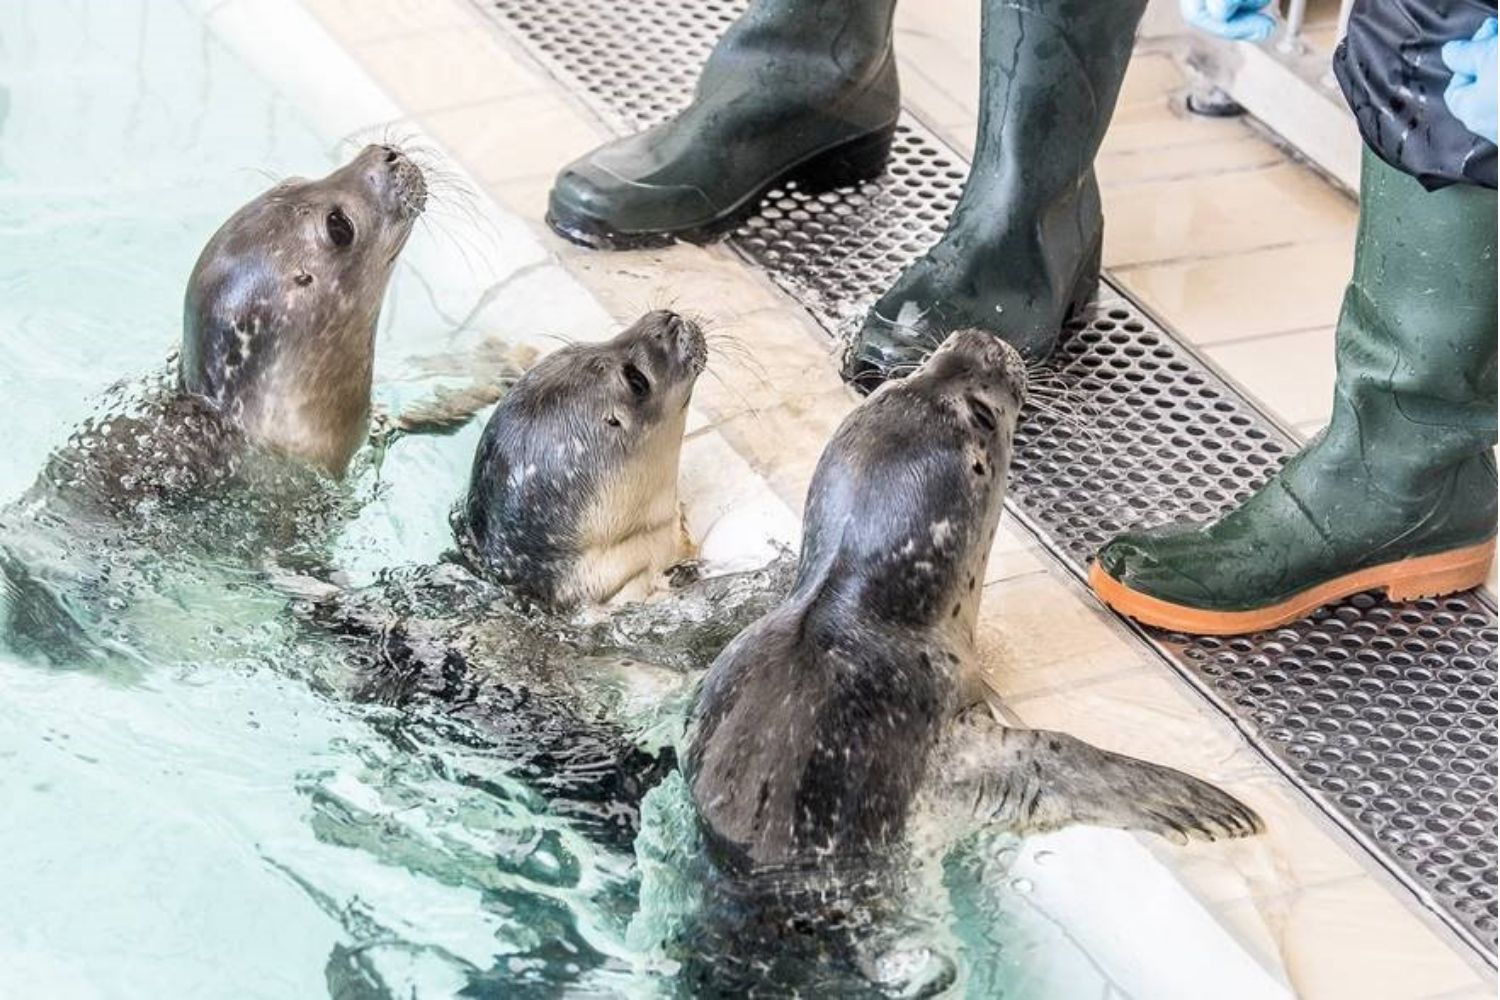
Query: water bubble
{"type": "Point", "coordinates": [914, 971]}
{"type": "Point", "coordinates": [1021, 885]}
{"type": "Point", "coordinates": [1043, 857]}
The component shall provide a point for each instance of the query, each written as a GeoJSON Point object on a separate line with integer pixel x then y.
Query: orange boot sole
{"type": "Point", "coordinates": [1402, 580]}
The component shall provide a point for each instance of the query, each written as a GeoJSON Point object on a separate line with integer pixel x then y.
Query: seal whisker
{"type": "Point", "coordinates": [656, 302]}
{"type": "Point", "coordinates": [454, 212]}
{"type": "Point", "coordinates": [1081, 408]}
{"type": "Point", "coordinates": [753, 372]}
{"type": "Point", "coordinates": [737, 350]}
{"type": "Point", "coordinates": [1063, 394]}
{"type": "Point", "coordinates": [1071, 425]}
{"type": "Point", "coordinates": [727, 340]}
{"type": "Point", "coordinates": [750, 408]}
{"type": "Point", "coordinates": [705, 323]}
{"type": "Point", "coordinates": [465, 249]}
{"type": "Point", "coordinates": [723, 337]}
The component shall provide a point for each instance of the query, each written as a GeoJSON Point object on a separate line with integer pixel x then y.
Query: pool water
{"type": "Point", "coordinates": [191, 815]}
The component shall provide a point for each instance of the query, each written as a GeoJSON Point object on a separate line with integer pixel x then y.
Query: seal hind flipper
{"type": "Point", "coordinates": [35, 622]}
{"type": "Point", "coordinates": [1035, 781]}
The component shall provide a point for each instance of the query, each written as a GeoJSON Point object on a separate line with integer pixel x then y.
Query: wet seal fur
{"type": "Point", "coordinates": [280, 314]}
{"type": "Point", "coordinates": [278, 345]}
{"type": "Point", "coordinates": [573, 495]}
{"type": "Point", "coordinates": [817, 732]}
{"type": "Point", "coordinates": [818, 728]}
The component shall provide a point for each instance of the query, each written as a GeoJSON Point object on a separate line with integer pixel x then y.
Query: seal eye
{"type": "Point", "coordinates": [982, 414]}
{"type": "Point", "coordinates": [340, 229]}
{"type": "Point", "coordinates": [638, 382]}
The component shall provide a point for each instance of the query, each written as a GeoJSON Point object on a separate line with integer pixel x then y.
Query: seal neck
{"type": "Point", "coordinates": [314, 405]}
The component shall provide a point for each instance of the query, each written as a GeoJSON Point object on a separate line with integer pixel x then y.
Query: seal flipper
{"type": "Point", "coordinates": [34, 621]}
{"type": "Point", "coordinates": [1034, 781]}
{"type": "Point", "coordinates": [443, 413]}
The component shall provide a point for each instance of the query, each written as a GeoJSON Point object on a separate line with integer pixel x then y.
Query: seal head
{"type": "Point", "coordinates": [573, 495]}
{"type": "Point", "coordinates": [279, 319]}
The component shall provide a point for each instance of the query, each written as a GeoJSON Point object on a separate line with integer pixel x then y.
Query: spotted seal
{"type": "Point", "coordinates": [234, 450]}
{"type": "Point", "coordinates": [573, 496]}
{"type": "Point", "coordinates": [571, 503]}
{"type": "Point", "coordinates": [278, 345]}
{"type": "Point", "coordinates": [279, 318]}
{"type": "Point", "coordinates": [818, 727]}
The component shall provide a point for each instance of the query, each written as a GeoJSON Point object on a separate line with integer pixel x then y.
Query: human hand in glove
{"type": "Point", "coordinates": [1239, 20]}
{"type": "Point", "coordinates": [1471, 93]}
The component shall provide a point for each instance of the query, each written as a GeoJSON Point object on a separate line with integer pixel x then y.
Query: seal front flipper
{"type": "Point", "coordinates": [445, 411]}
{"type": "Point", "coordinates": [1035, 781]}
{"type": "Point", "coordinates": [686, 628]}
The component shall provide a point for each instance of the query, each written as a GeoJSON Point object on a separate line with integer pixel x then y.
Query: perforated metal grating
{"type": "Point", "coordinates": [1384, 714]}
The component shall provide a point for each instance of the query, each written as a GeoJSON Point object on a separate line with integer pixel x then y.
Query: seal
{"type": "Point", "coordinates": [236, 448]}
{"type": "Point", "coordinates": [573, 495]}
{"type": "Point", "coordinates": [817, 729]}
{"type": "Point", "coordinates": [277, 351]}
{"type": "Point", "coordinates": [571, 502]}
{"type": "Point", "coordinates": [280, 313]}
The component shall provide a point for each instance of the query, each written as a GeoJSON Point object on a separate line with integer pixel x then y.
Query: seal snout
{"type": "Point", "coordinates": [684, 338]}
{"type": "Point", "coordinates": [402, 179]}
{"type": "Point", "coordinates": [987, 356]}
{"type": "Point", "coordinates": [692, 346]}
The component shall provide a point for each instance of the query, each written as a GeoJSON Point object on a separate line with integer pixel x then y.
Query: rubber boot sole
{"type": "Point", "coordinates": [1402, 580]}
{"type": "Point", "coordinates": [850, 162]}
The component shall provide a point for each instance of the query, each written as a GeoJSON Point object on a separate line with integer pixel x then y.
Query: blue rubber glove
{"type": "Point", "coordinates": [1238, 20]}
{"type": "Point", "coordinates": [1471, 92]}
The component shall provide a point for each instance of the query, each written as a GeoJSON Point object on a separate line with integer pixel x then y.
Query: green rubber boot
{"type": "Point", "coordinates": [1398, 493]}
{"type": "Point", "coordinates": [1022, 248]}
{"type": "Point", "coordinates": [796, 90]}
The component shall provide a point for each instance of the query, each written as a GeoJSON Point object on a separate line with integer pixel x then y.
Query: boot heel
{"type": "Point", "coordinates": [852, 163]}
{"type": "Point", "coordinates": [1445, 573]}
{"type": "Point", "coordinates": [1087, 283]}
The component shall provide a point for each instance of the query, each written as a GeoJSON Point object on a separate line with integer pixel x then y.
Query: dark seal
{"type": "Point", "coordinates": [573, 495]}
{"type": "Point", "coordinates": [817, 728]}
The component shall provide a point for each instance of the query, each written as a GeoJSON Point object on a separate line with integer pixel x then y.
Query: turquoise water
{"type": "Point", "coordinates": [201, 821]}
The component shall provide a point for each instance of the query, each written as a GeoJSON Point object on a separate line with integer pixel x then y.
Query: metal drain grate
{"type": "Point", "coordinates": [1385, 715]}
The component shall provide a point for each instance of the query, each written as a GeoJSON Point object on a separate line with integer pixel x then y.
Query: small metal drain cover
{"type": "Point", "coordinates": [1384, 714]}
